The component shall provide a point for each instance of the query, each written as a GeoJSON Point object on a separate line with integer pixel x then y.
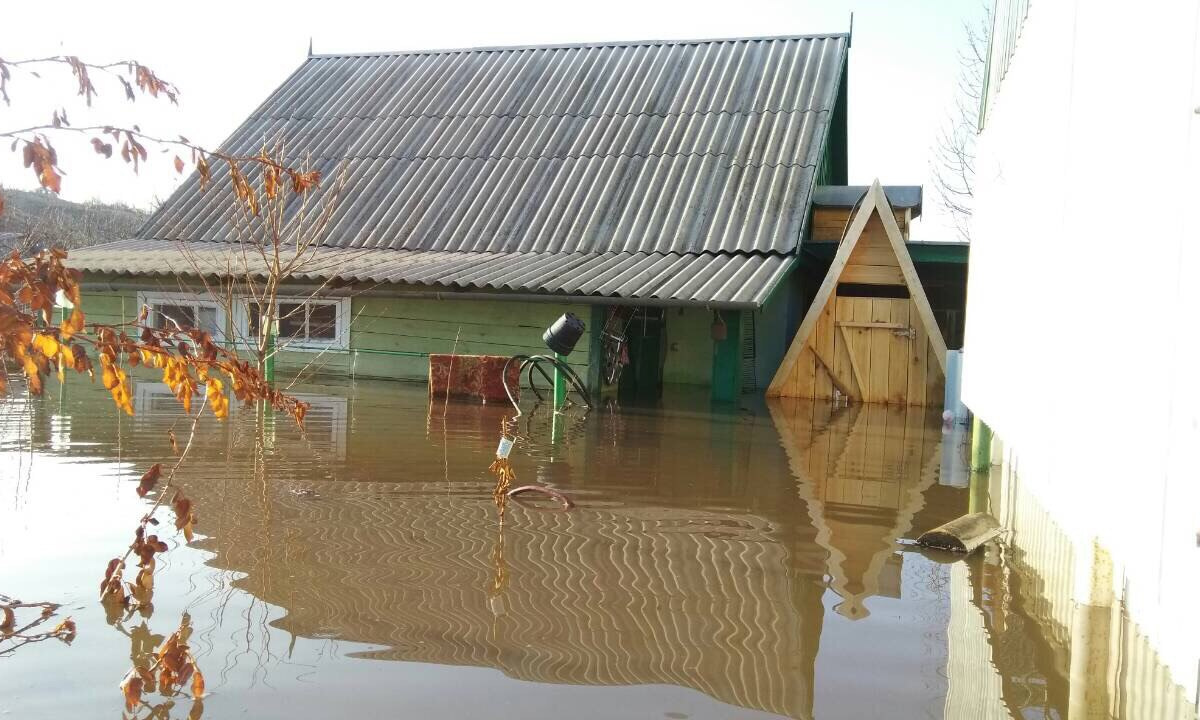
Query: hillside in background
{"type": "Point", "coordinates": [38, 219]}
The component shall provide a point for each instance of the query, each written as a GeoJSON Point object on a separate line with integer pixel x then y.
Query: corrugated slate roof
{"type": "Point", "coordinates": [704, 147]}
{"type": "Point", "coordinates": [725, 280]}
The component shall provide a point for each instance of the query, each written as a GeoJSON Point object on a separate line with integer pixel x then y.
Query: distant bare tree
{"type": "Point", "coordinates": [953, 162]}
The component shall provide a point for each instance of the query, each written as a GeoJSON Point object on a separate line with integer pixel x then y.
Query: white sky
{"type": "Point", "coordinates": [226, 57]}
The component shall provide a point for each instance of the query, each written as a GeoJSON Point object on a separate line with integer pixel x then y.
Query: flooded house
{"type": "Point", "coordinates": [679, 194]}
{"type": "Point", "coordinates": [1092, 457]}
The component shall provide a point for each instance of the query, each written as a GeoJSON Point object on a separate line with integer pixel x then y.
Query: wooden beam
{"type": "Point", "coordinates": [910, 273]}
{"type": "Point", "coordinates": [858, 374]}
{"type": "Point", "coordinates": [838, 383]}
{"type": "Point", "coordinates": [885, 325]}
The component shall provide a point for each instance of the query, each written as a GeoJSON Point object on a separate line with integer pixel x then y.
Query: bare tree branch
{"type": "Point", "coordinates": [953, 161]}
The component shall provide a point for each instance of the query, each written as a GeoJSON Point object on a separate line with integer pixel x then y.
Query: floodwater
{"type": "Point", "coordinates": [742, 564]}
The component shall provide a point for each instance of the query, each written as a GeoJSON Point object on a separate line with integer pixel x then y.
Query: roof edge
{"type": "Point", "coordinates": [566, 46]}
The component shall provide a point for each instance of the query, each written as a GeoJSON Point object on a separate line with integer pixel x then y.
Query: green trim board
{"type": "Point", "coordinates": [920, 252]}
{"type": "Point", "coordinates": [727, 360]}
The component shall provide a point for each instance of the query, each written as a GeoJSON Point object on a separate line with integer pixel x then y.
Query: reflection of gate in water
{"type": "Point", "coordinates": [862, 471]}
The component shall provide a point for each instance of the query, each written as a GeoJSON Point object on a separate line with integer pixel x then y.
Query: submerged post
{"type": "Point", "coordinates": [560, 383]}
{"type": "Point", "coordinates": [981, 446]}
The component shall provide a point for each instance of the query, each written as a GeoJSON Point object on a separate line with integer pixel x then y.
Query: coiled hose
{"type": "Point", "coordinates": [529, 363]}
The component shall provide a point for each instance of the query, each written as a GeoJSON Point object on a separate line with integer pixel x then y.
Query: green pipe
{"type": "Point", "coordinates": [981, 446]}
{"type": "Point", "coordinates": [269, 369]}
{"type": "Point", "coordinates": [560, 384]}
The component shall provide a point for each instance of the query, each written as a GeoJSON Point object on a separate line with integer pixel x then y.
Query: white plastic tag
{"type": "Point", "coordinates": [506, 446]}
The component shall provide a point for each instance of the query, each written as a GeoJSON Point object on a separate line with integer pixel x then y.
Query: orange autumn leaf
{"type": "Point", "coordinates": [185, 516]}
{"type": "Point", "coordinates": [215, 391]}
{"type": "Point", "coordinates": [149, 480]}
{"type": "Point", "coordinates": [197, 682]}
{"type": "Point", "coordinates": [132, 687]}
{"type": "Point", "coordinates": [46, 345]}
{"type": "Point", "coordinates": [65, 630]}
{"type": "Point", "coordinates": [111, 590]}
{"type": "Point", "coordinates": [72, 324]}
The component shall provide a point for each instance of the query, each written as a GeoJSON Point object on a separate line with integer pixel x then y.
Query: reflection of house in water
{"type": "Point", "coordinates": [1022, 646]}
{"type": "Point", "coordinates": [665, 573]}
{"type": "Point", "coordinates": [863, 471]}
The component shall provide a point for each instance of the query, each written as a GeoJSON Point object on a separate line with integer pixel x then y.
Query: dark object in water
{"type": "Point", "coordinates": [562, 336]}
{"type": "Point", "coordinates": [962, 534]}
{"type": "Point", "coordinates": [551, 492]}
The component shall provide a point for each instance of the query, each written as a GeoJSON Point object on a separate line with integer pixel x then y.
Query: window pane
{"type": "Point", "coordinates": [322, 322]}
{"type": "Point", "coordinates": [184, 315]}
{"type": "Point", "coordinates": [208, 321]}
{"type": "Point", "coordinates": [291, 320]}
{"type": "Point", "coordinates": [252, 313]}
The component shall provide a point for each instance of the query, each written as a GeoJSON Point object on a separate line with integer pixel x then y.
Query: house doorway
{"type": "Point", "coordinates": [646, 353]}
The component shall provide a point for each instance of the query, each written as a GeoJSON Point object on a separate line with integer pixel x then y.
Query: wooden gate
{"type": "Point", "coordinates": [878, 340]}
{"type": "Point", "coordinates": [869, 334]}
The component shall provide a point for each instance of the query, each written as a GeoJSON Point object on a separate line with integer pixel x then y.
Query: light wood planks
{"type": "Point", "coordinates": [873, 275]}
{"type": "Point", "coordinates": [828, 223]}
{"type": "Point", "coordinates": [874, 350]}
{"type": "Point", "coordinates": [898, 352]}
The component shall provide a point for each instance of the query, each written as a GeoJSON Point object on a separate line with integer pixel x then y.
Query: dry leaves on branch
{"type": "Point", "coordinates": [149, 480]}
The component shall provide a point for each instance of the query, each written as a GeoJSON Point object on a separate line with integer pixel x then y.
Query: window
{"type": "Point", "coordinates": [306, 324]}
{"type": "Point", "coordinates": [168, 310]}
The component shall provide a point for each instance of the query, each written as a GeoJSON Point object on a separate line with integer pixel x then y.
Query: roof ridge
{"type": "Point", "coordinates": [568, 46]}
{"type": "Point", "coordinates": [540, 115]}
{"type": "Point", "coordinates": [317, 159]}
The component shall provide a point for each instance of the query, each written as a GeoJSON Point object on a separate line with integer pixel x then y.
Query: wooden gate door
{"type": "Point", "coordinates": [875, 345]}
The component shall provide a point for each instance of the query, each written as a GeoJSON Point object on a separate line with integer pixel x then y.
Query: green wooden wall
{"type": "Point", "coordinates": [689, 347]}
{"type": "Point", "coordinates": [385, 327]}
{"type": "Point", "coordinates": [392, 336]}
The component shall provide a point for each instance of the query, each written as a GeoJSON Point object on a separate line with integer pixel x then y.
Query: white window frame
{"type": "Point", "coordinates": [341, 333]}
{"type": "Point", "coordinates": [146, 393]}
{"type": "Point", "coordinates": [148, 298]}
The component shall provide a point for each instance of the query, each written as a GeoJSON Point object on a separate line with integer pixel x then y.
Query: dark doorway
{"type": "Point", "coordinates": [646, 335]}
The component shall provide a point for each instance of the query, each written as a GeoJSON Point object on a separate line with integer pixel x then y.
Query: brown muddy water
{"type": "Point", "coordinates": [744, 564]}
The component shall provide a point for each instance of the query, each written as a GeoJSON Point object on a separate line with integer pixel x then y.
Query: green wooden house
{"type": "Point", "coordinates": [487, 191]}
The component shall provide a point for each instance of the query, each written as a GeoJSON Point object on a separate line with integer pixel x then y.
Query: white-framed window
{"type": "Point", "coordinates": [188, 310]}
{"type": "Point", "coordinates": [303, 323]}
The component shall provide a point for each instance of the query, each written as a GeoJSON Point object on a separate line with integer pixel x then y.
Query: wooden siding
{"type": "Point", "coordinates": [384, 325]}
{"type": "Point", "coordinates": [391, 337]}
{"type": "Point", "coordinates": [829, 224]}
{"type": "Point", "coordinates": [689, 347]}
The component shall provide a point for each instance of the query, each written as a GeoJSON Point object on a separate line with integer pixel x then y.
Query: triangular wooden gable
{"type": "Point", "coordinates": [867, 349]}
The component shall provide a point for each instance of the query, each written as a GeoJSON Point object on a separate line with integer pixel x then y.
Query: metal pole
{"type": "Point", "coordinates": [269, 366]}
{"type": "Point", "coordinates": [560, 400]}
{"type": "Point", "coordinates": [560, 384]}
